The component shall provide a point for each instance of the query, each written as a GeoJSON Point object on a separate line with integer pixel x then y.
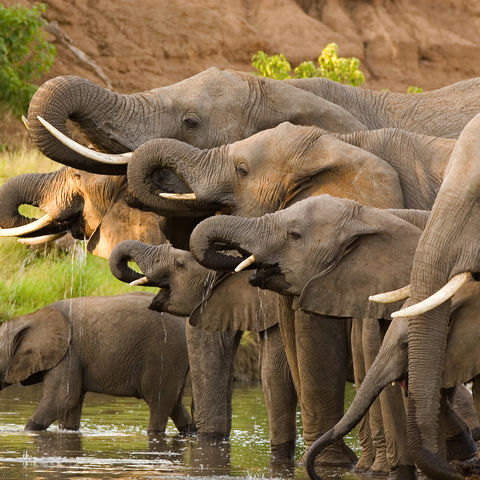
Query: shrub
{"type": "Point", "coordinates": [330, 65]}
{"type": "Point", "coordinates": [413, 89]}
{"type": "Point", "coordinates": [24, 54]}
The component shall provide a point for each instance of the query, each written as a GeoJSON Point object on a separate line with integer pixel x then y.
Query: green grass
{"type": "Point", "coordinates": [32, 277]}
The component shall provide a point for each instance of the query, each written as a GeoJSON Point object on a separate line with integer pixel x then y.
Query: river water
{"type": "Point", "coordinates": [113, 443]}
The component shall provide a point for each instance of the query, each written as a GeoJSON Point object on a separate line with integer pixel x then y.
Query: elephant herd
{"type": "Point", "coordinates": [325, 195]}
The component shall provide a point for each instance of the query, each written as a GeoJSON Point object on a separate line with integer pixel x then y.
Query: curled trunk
{"type": "Point", "coordinates": [214, 237]}
{"type": "Point", "coordinates": [112, 122]}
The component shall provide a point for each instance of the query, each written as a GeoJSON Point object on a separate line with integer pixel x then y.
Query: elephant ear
{"type": "Point", "coordinates": [40, 342]}
{"type": "Point", "coordinates": [380, 261]}
{"type": "Point", "coordinates": [462, 363]}
{"type": "Point", "coordinates": [233, 304]}
{"type": "Point", "coordinates": [122, 222]}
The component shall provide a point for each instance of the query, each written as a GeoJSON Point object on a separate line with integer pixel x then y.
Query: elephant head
{"type": "Point", "coordinates": [332, 253]}
{"type": "Point", "coordinates": [88, 205]}
{"type": "Point", "coordinates": [31, 344]}
{"type": "Point", "coordinates": [265, 172]}
{"type": "Point", "coordinates": [222, 303]}
{"type": "Point", "coordinates": [211, 108]}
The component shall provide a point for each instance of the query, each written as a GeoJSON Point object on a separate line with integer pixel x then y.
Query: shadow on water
{"type": "Point", "coordinates": [113, 443]}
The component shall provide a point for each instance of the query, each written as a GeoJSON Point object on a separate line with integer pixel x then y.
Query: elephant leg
{"type": "Point", "coordinates": [322, 356]}
{"type": "Point", "coordinates": [181, 418]}
{"type": "Point", "coordinates": [463, 403]}
{"type": "Point", "coordinates": [280, 395]}
{"type": "Point", "coordinates": [158, 417]}
{"type": "Point", "coordinates": [211, 356]}
{"type": "Point", "coordinates": [364, 434]}
{"type": "Point", "coordinates": [71, 419]}
{"type": "Point", "coordinates": [62, 389]}
{"type": "Point", "coordinates": [371, 341]}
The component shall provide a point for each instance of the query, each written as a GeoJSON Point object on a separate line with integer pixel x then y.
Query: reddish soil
{"type": "Point", "coordinates": [143, 44]}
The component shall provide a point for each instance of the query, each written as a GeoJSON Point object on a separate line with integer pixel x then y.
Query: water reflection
{"type": "Point", "coordinates": [113, 443]}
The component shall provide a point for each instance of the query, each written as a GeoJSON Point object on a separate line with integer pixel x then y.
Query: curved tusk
{"type": "Point", "coordinates": [139, 281]}
{"type": "Point", "coordinates": [246, 263]}
{"type": "Point", "coordinates": [25, 122]}
{"type": "Point", "coordinates": [179, 196]}
{"type": "Point", "coordinates": [110, 158]}
{"type": "Point", "coordinates": [442, 295]}
{"type": "Point", "coordinates": [28, 228]}
{"type": "Point", "coordinates": [390, 297]}
{"type": "Point", "coordinates": [41, 239]}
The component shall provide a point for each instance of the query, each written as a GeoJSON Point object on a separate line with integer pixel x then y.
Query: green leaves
{"type": "Point", "coordinates": [24, 54]}
{"type": "Point", "coordinates": [330, 65]}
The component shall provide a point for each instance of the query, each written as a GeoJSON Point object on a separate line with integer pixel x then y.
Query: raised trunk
{"type": "Point", "coordinates": [145, 256]}
{"type": "Point", "coordinates": [167, 166]}
{"type": "Point", "coordinates": [27, 189]}
{"type": "Point", "coordinates": [378, 376]}
{"type": "Point", "coordinates": [111, 122]}
{"type": "Point", "coordinates": [212, 238]}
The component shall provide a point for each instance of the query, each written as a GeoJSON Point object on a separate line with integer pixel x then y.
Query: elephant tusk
{"type": "Point", "coordinates": [25, 122]}
{"type": "Point", "coordinates": [139, 281]}
{"type": "Point", "coordinates": [179, 196]}
{"type": "Point", "coordinates": [390, 297]}
{"type": "Point", "coordinates": [442, 295]}
{"type": "Point", "coordinates": [110, 158]}
{"type": "Point", "coordinates": [41, 239]}
{"type": "Point", "coordinates": [247, 262]}
{"type": "Point", "coordinates": [28, 228]}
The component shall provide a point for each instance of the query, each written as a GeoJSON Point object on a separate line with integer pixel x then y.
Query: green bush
{"type": "Point", "coordinates": [330, 65]}
{"type": "Point", "coordinates": [24, 54]}
{"type": "Point", "coordinates": [413, 89]}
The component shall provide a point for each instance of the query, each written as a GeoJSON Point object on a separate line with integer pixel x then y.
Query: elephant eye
{"type": "Point", "coordinates": [242, 169]}
{"type": "Point", "coordinates": [179, 262]}
{"type": "Point", "coordinates": [191, 121]}
{"type": "Point", "coordinates": [294, 234]}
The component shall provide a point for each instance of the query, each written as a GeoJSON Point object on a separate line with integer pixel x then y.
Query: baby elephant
{"type": "Point", "coordinates": [113, 345]}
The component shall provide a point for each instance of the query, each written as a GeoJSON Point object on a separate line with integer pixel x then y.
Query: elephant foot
{"type": "Point", "coordinates": [476, 434]}
{"type": "Point", "coordinates": [380, 466]}
{"type": "Point", "coordinates": [33, 426]}
{"type": "Point", "coordinates": [187, 430]}
{"type": "Point", "coordinates": [461, 446]}
{"type": "Point", "coordinates": [336, 455]}
{"type": "Point", "coordinates": [283, 452]}
{"type": "Point", "coordinates": [213, 437]}
{"type": "Point", "coordinates": [364, 463]}
{"type": "Point", "coordinates": [403, 472]}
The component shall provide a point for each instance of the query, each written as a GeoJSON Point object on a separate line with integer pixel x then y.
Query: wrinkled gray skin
{"type": "Point", "coordinates": [186, 289]}
{"type": "Point", "coordinates": [114, 345]}
{"type": "Point", "coordinates": [322, 250]}
{"type": "Point", "coordinates": [217, 107]}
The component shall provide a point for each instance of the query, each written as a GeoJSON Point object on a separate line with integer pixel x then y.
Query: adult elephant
{"type": "Point", "coordinates": [114, 345]}
{"type": "Point", "coordinates": [217, 107]}
{"type": "Point", "coordinates": [449, 246]}
{"type": "Point", "coordinates": [187, 288]}
{"type": "Point", "coordinates": [333, 253]}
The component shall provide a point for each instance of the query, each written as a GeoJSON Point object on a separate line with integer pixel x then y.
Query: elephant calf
{"type": "Point", "coordinates": [113, 345]}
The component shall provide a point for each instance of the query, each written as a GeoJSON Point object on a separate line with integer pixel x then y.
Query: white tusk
{"type": "Point", "coordinates": [25, 122]}
{"type": "Point", "coordinates": [390, 297]}
{"type": "Point", "coordinates": [110, 158]}
{"type": "Point", "coordinates": [179, 196]}
{"type": "Point", "coordinates": [393, 384]}
{"type": "Point", "coordinates": [442, 295]}
{"type": "Point", "coordinates": [28, 228]}
{"type": "Point", "coordinates": [41, 239]}
{"type": "Point", "coordinates": [247, 262]}
{"type": "Point", "coordinates": [139, 281]}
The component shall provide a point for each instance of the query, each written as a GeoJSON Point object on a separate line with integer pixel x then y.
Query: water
{"type": "Point", "coordinates": [113, 443]}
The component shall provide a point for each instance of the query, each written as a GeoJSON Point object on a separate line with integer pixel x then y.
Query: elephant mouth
{"type": "Point", "coordinates": [269, 277]}
{"type": "Point", "coordinates": [161, 300]}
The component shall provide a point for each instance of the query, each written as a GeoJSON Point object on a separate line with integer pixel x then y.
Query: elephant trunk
{"type": "Point", "coordinates": [147, 257]}
{"type": "Point", "coordinates": [28, 189]}
{"type": "Point", "coordinates": [167, 166]}
{"type": "Point", "coordinates": [212, 238]}
{"type": "Point", "coordinates": [112, 122]}
{"type": "Point", "coordinates": [389, 365]}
